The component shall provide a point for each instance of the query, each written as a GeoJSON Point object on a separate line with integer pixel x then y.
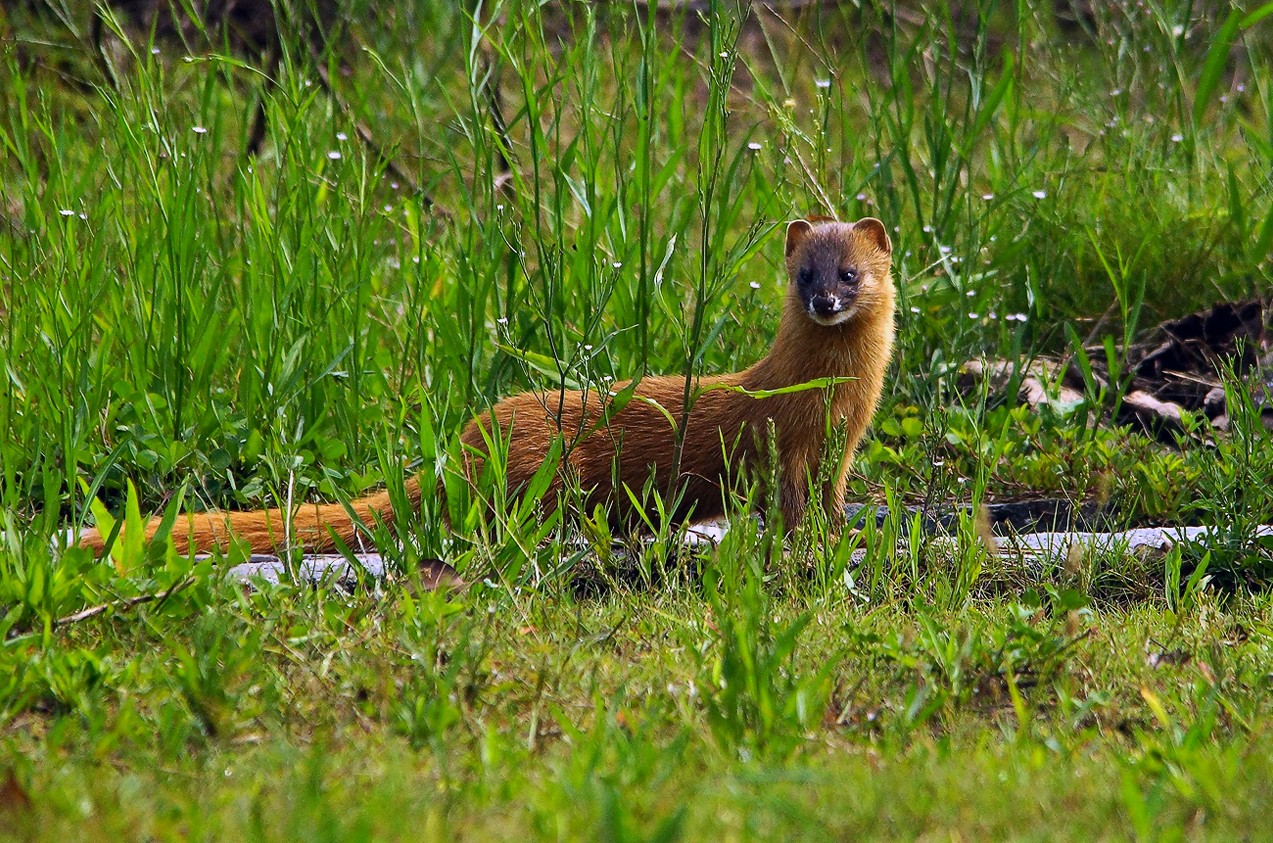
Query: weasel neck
{"type": "Point", "coordinates": [804, 350]}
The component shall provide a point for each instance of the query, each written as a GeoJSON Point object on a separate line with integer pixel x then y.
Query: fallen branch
{"type": "Point", "coordinates": [1034, 548]}
{"type": "Point", "coordinates": [122, 604]}
{"type": "Point", "coordinates": [1058, 547]}
{"type": "Point", "coordinates": [337, 570]}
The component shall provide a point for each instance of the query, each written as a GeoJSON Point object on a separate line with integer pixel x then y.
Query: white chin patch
{"type": "Point", "coordinates": [837, 318]}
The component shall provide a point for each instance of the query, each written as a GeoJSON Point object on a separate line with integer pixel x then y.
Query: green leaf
{"type": "Point", "coordinates": [105, 522]}
{"type": "Point", "coordinates": [1213, 66]}
{"type": "Point", "coordinates": [541, 363]}
{"type": "Point", "coordinates": [614, 405]}
{"type": "Point", "coordinates": [656, 405]}
{"type": "Point", "coordinates": [992, 102]}
{"type": "Point", "coordinates": [173, 509]}
{"type": "Point", "coordinates": [816, 383]}
{"type": "Point", "coordinates": [1083, 362]}
{"type": "Point", "coordinates": [544, 475]}
{"type": "Point", "coordinates": [1197, 581]}
{"type": "Point", "coordinates": [1256, 16]}
{"type": "Point", "coordinates": [134, 533]}
{"type": "Point", "coordinates": [1264, 241]}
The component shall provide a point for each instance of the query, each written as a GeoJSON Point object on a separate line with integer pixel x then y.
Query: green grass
{"type": "Point", "coordinates": [222, 331]}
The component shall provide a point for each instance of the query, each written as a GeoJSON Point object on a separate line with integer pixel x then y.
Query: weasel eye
{"type": "Point", "coordinates": [849, 276]}
{"type": "Point", "coordinates": [805, 278]}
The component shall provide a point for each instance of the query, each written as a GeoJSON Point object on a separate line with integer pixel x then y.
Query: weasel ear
{"type": "Point", "coordinates": [797, 231]}
{"type": "Point", "coordinates": [874, 229]}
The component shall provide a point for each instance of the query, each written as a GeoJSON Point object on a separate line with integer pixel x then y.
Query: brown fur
{"type": "Point", "coordinates": [727, 431]}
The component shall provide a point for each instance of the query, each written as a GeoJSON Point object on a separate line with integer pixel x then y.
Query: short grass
{"type": "Point", "coordinates": [184, 325]}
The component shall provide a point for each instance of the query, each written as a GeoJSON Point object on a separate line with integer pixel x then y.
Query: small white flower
{"type": "Point", "coordinates": [753, 146]}
{"type": "Point", "coordinates": [974, 315]}
{"type": "Point", "coordinates": [503, 320]}
{"type": "Point", "coordinates": [199, 130]}
{"type": "Point", "coordinates": [945, 250]}
{"type": "Point", "coordinates": [1040, 194]}
{"type": "Point", "coordinates": [861, 197]}
{"type": "Point", "coordinates": [987, 196]}
{"type": "Point", "coordinates": [154, 51]}
{"type": "Point", "coordinates": [1177, 137]}
{"type": "Point", "coordinates": [341, 136]}
{"type": "Point", "coordinates": [915, 310]}
{"type": "Point", "coordinates": [334, 155]}
{"type": "Point", "coordinates": [616, 264]}
{"type": "Point", "coordinates": [67, 212]}
{"type": "Point", "coordinates": [755, 285]}
{"type": "Point", "coordinates": [822, 83]}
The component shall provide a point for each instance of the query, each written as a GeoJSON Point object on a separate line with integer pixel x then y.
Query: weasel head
{"type": "Point", "coordinates": [839, 271]}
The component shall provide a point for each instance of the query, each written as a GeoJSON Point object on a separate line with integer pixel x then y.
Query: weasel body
{"type": "Point", "coordinates": [837, 322]}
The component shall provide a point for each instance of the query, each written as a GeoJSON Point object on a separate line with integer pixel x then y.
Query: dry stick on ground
{"type": "Point", "coordinates": [1055, 547]}
{"type": "Point", "coordinates": [125, 603]}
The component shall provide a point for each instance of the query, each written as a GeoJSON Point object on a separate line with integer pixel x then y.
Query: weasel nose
{"type": "Point", "coordinates": [824, 305]}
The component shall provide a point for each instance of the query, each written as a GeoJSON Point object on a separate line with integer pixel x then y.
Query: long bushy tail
{"type": "Point", "coordinates": [314, 527]}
